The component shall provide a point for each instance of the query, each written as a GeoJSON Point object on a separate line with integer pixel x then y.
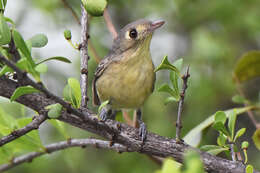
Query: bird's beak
{"type": "Point", "coordinates": [156, 24]}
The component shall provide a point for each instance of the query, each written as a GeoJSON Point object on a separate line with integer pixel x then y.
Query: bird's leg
{"type": "Point", "coordinates": [142, 126]}
{"type": "Point", "coordinates": [113, 115]}
{"type": "Point", "coordinates": [105, 113]}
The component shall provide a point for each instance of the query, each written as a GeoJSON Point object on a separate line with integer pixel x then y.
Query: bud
{"type": "Point", "coordinates": [244, 145]}
{"type": "Point", "coordinates": [95, 7]}
{"type": "Point", "coordinates": [67, 34]}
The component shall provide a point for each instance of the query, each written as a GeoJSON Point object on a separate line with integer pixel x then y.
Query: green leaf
{"type": "Point", "coordinates": [249, 169]}
{"type": "Point", "coordinates": [103, 104]}
{"type": "Point", "coordinates": [41, 68]}
{"type": "Point", "coordinates": [220, 116]}
{"type": "Point", "coordinates": [239, 133]}
{"type": "Point", "coordinates": [75, 86]}
{"type": "Point", "coordinates": [58, 58]}
{"type": "Point", "coordinates": [4, 70]}
{"type": "Point", "coordinates": [4, 52]}
{"type": "Point", "coordinates": [247, 67]}
{"type": "Point", "coordinates": [178, 63]}
{"type": "Point", "coordinates": [39, 40]}
{"type": "Point", "coordinates": [239, 99]}
{"type": "Point", "coordinates": [231, 123]}
{"type": "Point", "coordinates": [2, 5]}
{"type": "Point", "coordinates": [174, 79]}
{"type": "Point", "coordinates": [256, 138]}
{"type": "Point", "coordinates": [194, 136]}
{"type": "Point", "coordinates": [7, 122]}
{"type": "Point", "coordinates": [170, 99]}
{"type": "Point", "coordinates": [95, 7]}
{"type": "Point", "coordinates": [5, 34]}
{"type": "Point", "coordinates": [22, 91]}
{"type": "Point", "coordinates": [219, 126]}
{"type": "Point", "coordinates": [221, 140]}
{"type": "Point", "coordinates": [193, 163]}
{"type": "Point", "coordinates": [166, 88]}
{"type": "Point", "coordinates": [54, 110]}
{"type": "Point", "coordinates": [170, 165]}
{"type": "Point", "coordinates": [213, 149]}
{"type": "Point", "coordinates": [166, 65]}
{"type": "Point", "coordinates": [32, 138]}
{"type": "Point", "coordinates": [21, 45]}
{"type": "Point", "coordinates": [60, 126]}
{"type": "Point", "coordinates": [7, 19]}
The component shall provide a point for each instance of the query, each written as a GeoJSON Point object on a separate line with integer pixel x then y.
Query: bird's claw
{"type": "Point", "coordinates": [142, 131]}
{"type": "Point", "coordinates": [103, 114]}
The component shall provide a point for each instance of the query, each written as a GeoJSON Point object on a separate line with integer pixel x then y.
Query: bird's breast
{"type": "Point", "coordinates": [127, 83]}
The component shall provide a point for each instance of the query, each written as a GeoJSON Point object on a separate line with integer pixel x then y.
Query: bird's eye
{"type": "Point", "coordinates": [133, 33]}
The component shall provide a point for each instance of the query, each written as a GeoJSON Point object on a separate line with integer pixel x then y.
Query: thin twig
{"type": "Point", "coordinates": [61, 146]}
{"type": "Point", "coordinates": [13, 51]}
{"type": "Point", "coordinates": [109, 23]}
{"type": "Point", "coordinates": [74, 14]}
{"type": "Point", "coordinates": [36, 122]}
{"type": "Point", "coordinates": [249, 112]}
{"type": "Point", "coordinates": [185, 78]}
{"type": "Point", "coordinates": [84, 58]}
{"type": "Point", "coordinates": [94, 52]}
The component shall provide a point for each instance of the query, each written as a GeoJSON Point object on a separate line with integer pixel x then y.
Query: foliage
{"type": "Point", "coordinates": [210, 37]}
{"type": "Point", "coordinates": [192, 164]}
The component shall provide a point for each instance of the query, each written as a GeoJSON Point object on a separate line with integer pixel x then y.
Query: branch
{"type": "Point", "coordinates": [123, 134]}
{"type": "Point", "coordinates": [36, 122]}
{"type": "Point", "coordinates": [109, 23]}
{"type": "Point", "coordinates": [61, 146]}
{"type": "Point", "coordinates": [27, 81]}
{"type": "Point", "coordinates": [84, 58]}
{"type": "Point", "coordinates": [185, 78]}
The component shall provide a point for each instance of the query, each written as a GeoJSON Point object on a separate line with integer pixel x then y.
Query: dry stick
{"type": "Point", "coordinates": [249, 112]}
{"type": "Point", "coordinates": [125, 135]}
{"type": "Point", "coordinates": [84, 58]}
{"type": "Point", "coordinates": [36, 122]}
{"type": "Point", "coordinates": [74, 14]}
{"type": "Point", "coordinates": [61, 146]}
{"type": "Point", "coordinates": [109, 23]}
{"type": "Point", "coordinates": [185, 78]}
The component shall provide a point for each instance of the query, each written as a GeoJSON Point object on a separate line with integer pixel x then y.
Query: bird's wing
{"type": "Point", "coordinates": [99, 71]}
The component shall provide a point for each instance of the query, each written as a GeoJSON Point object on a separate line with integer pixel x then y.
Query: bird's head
{"type": "Point", "coordinates": [135, 35]}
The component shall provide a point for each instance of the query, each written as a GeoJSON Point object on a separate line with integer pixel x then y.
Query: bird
{"type": "Point", "coordinates": [125, 77]}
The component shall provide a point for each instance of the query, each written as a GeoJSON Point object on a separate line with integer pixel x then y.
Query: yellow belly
{"type": "Point", "coordinates": [127, 84]}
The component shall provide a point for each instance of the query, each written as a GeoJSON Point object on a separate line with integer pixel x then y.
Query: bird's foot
{"type": "Point", "coordinates": [106, 113]}
{"type": "Point", "coordinates": [142, 131]}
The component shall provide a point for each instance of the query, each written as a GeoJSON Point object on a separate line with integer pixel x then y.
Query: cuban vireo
{"type": "Point", "coordinates": [126, 75]}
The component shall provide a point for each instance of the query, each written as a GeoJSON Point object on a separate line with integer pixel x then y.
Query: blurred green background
{"type": "Point", "coordinates": [209, 35]}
